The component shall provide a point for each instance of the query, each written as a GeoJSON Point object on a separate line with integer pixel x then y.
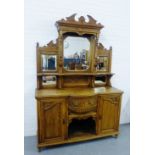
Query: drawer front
{"type": "Point", "coordinates": [82, 104]}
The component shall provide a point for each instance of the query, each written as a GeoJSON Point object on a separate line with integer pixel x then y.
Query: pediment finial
{"type": "Point", "coordinates": [91, 19]}
{"type": "Point", "coordinates": [101, 47]}
{"type": "Point", "coordinates": [71, 18]}
{"type": "Point", "coordinates": [82, 19]}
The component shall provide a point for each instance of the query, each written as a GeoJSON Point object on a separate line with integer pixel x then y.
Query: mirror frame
{"type": "Point", "coordinates": [103, 52]}
{"type": "Point", "coordinates": [65, 37]}
{"type": "Point", "coordinates": [50, 49]}
{"type": "Point", "coordinates": [91, 39]}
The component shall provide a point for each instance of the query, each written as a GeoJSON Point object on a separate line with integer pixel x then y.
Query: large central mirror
{"type": "Point", "coordinates": [76, 53]}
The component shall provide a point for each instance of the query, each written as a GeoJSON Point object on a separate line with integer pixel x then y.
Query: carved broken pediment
{"type": "Point", "coordinates": [81, 20]}
{"type": "Point", "coordinates": [52, 44]}
{"type": "Point", "coordinates": [102, 51]}
{"type": "Point", "coordinates": [70, 18]}
{"type": "Point", "coordinates": [101, 47]}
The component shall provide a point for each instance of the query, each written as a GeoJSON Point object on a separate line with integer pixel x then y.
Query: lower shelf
{"type": "Point", "coordinates": [81, 127]}
{"type": "Point", "coordinates": [80, 138]}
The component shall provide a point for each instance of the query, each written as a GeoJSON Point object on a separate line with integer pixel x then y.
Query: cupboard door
{"type": "Point", "coordinates": [53, 120]}
{"type": "Point", "coordinates": [109, 112]}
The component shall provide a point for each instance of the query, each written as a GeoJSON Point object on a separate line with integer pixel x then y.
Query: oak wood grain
{"type": "Point", "coordinates": [76, 95]}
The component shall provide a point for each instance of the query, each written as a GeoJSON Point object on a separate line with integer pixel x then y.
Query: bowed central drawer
{"type": "Point", "coordinates": [82, 104]}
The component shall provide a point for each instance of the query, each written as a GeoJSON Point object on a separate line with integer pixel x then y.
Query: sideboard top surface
{"type": "Point", "coordinates": [76, 92]}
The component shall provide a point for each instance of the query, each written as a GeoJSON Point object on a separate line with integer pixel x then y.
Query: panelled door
{"type": "Point", "coordinates": [52, 120]}
{"type": "Point", "coordinates": [108, 112]}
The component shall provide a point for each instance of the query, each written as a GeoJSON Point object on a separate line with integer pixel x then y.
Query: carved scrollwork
{"type": "Point", "coordinates": [102, 51]}
{"type": "Point", "coordinates": [116, 99]}
{"type": "Point", "coordinates": [70, 18]}
{"type": "Point", "coordinates": [112, 99]}
{"type": "Point", "coordinates": [91, 19]}
{"type": "Point", "coordinates": [48, 106]}
{"type": "Point", "coordinates": [101, 47]}
{"type": "Point", "coordinates": [81, 20]}
{"type": "Point", "coordinates": [51, 46]}
{"type": "Point", "coordinates": [82, 105]}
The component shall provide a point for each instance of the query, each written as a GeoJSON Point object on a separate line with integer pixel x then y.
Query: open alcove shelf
{"type": "Point", "coordinates": [75, 97]}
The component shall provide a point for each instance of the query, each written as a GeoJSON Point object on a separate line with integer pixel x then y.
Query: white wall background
{"type": "Point", "coordinates": [40, 17]}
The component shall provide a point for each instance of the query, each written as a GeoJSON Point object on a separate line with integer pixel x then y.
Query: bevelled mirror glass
{"type": "Point", "coordinates": [48, 80]}
{"type": "Point", "coordinates": [49, 62]}
{"type": "Point", "coordinates": [76, 53]}
{"type": "Point", "coordinates": [102, 63]}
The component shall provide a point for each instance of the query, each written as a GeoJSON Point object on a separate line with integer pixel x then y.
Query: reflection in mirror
{"type": "Point", "coordinates": [49, 62]}
{"type": "Point", "coordinates": [100, 80]}
{"type": "Point", "coordinates": [49, 80]}
{"type": "Point", "coordinates": [76, 53]}
{"type": "Point", "coordinates": [102, 63]}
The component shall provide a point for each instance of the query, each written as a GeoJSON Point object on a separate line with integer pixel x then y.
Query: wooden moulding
{"type": "Point", "coordinates": [80, 139]}
{"type": "Point", "coordinates": [75, 92]}
{"type": "Point", "coordinates": [74, 74]}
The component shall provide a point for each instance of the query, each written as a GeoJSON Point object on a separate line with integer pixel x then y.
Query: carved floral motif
{"type": "Point", "coordinates": [112, 99]}
{"type": "Point", "coordinates": [82, 105]}
{"type": "Point", "coordinates": [48, 106]}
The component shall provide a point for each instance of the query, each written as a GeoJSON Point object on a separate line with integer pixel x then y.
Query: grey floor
{"type": "Point", "coordinates": [104, 146]}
